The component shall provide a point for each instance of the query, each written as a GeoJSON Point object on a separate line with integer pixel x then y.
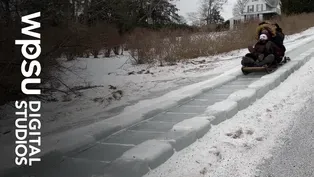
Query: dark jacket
{"type": "Point", "coordinates": [279, 38]}
{"type": "Point", "coordinates": [264, 48]}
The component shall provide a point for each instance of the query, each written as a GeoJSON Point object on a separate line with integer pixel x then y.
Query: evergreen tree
{"type": "Point", "coordinates": [297, 6]}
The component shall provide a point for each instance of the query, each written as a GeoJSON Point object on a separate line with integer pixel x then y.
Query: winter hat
{"type": "Point", "coordinates": [270, 28]}
{"type": "Point", "coordinates": [263, 37]}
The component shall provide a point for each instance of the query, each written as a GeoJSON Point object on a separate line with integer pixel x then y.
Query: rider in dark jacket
{"type": "Point", "coordinates": [262, 54]}
{"type": "Point", "coordinates": [276, 36]}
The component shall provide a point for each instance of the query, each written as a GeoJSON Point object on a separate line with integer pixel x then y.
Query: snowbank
{"type": "Point", "coordinates": [237, 146]}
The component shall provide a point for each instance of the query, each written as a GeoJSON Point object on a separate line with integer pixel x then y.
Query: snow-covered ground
{"type": "Point", "coordinates": [239, 145]}
{"type": "Point", "coordinates": [118, 84]}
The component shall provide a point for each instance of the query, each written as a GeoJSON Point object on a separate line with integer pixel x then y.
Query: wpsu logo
{"type": "Point", "coordinates": [27, 123]}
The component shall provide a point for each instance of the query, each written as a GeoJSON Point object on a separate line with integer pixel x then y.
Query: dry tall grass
{"type": "Point", "coordinates": [296, 23]}
{"type": "Point", "coordinates": [150, 46]}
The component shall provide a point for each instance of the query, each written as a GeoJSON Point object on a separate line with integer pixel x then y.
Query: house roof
{"type": "Point", "coordinates": [272, 3]}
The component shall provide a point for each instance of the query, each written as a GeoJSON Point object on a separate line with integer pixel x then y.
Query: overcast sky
{"type": "Point", "coordinates": [186, 6]}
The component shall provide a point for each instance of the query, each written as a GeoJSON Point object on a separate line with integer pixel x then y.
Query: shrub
{"type": "Point", "coordinates": [149, 46]}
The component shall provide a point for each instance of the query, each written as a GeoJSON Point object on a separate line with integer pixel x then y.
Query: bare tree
{"type": "Point", "coordinates": [239, 7]}
{"type": "Point", "coordinates": [210, 10]}
{"type": "Point", "coordinates": [194, 18]}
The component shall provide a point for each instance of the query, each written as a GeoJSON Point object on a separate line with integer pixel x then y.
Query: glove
{"type": "Point", "coordinates": [251, 49]}
{"type": "Point", "coordinates": [260, 57]}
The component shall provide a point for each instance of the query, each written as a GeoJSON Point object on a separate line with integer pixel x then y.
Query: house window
{"type": "Point", "coordinates": [250, 8]}
{"type": "Point", "coordinates": [259, 7]}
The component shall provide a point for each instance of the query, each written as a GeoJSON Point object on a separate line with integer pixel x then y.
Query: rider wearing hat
{"type": "Point", "coordinates": [262, 54]}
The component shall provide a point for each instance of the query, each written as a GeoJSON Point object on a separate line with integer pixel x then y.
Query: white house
{"type": "Point", "coordinates": [258, 9]}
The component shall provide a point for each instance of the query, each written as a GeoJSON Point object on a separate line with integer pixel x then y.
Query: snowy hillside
{"type": "Point", "coordinates": [105, 86]}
